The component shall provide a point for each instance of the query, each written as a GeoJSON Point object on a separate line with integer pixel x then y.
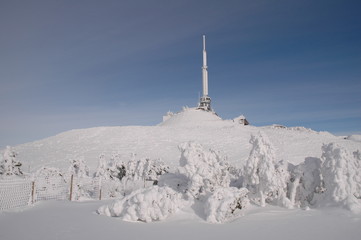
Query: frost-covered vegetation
{"type": "Point", "coordinates": [146, 205]}
{"type": "Point", "coordinates": [10, 166]}
{"type": "Point", "coordinates": [147, 190]}
{"type": "Point", "coordinates": [204, 180]}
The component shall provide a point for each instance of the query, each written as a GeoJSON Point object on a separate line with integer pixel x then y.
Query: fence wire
{"type": "Point", "coordinates": [15, 193]}
{"type": "Point", "coordinates": [51, 188]}
{"type": "Point", "coordinates": [22, 192]}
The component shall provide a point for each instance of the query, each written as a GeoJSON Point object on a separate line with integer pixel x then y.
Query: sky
{"type": "Point", "coordinates": [78, 64]}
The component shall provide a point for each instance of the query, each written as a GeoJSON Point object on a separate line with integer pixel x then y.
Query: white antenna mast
{"type": "Point", "coordinates": [205, 101]}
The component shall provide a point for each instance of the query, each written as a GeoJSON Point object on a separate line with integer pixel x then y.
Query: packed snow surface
{"type": "Point", "coordinates": [64, 220]}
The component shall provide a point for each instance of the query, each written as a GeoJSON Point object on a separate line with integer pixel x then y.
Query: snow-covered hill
{"type": "Point", "coordinates": [228, 137]}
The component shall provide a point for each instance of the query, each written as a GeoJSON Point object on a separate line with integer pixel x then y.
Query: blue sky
{"type": "Point", "coordinates": [76, 64]}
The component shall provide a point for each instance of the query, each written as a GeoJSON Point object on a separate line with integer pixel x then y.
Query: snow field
{"type": "Point", "coordinates": [217, 180]}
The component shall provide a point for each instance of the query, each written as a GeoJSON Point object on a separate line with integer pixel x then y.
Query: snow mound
{"type": "Point", "coordinates": [145, 205]}
{"type": "Point", "coordinates": [192, 117]}
{"type": "Point", "coordinates": [225, 204]}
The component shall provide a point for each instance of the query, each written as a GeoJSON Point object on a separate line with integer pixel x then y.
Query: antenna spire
{"type": "Point", "coordinates": [205, 101]}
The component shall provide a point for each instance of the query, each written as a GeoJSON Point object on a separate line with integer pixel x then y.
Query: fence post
{"type": "Point", "coordinates": [100, 188]}
{"type": "Point", "coordinates": [32, 192]}
{"type": "Point", "coordinates": [71, 187]}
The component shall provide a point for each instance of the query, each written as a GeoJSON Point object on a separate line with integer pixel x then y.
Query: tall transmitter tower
{"type": "Point", "coordinates": [205, 100]}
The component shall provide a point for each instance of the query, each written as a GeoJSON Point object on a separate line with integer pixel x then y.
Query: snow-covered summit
{"type": "Point", "coordinates": [192, 117]}
{"type": "Point", "coordinates": [228, 137]}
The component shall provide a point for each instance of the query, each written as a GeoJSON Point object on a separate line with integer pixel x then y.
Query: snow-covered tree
{"type": "Point", "coordinates": [110, 173]}
{"type": "Point", "coordinates": [102, 167]}
{"type": "Point", "coordinates": [205, 169]}
{"type": "Point", "coordinates": [306, 183]}
{"type": "Point", "coordinates": [145, 169]}
{"type": "Point", "coordinates": [341, 177]}
{"type": "Point", "coordinates": [225, 204]}
{"type": "Point", "coordinates": [83, 184]}
{"type": "Point", "coordinates": [78, 168]}
{"type": "Point", "coordinates": [9, 165]}
{"type": "Point", "coordinates": [357, 177]}
{"type": "Point", "coordinates": [121, 178]}
{"type": "Point", "coordinates": [263, 176]}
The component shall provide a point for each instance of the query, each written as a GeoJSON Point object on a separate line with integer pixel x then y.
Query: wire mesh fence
{"type": "Point", "coordinates": [15, 193]}
{"type": "Point", "coordinates": [19, 192]}
{"type": "Point", "coordinates": [50, 188]}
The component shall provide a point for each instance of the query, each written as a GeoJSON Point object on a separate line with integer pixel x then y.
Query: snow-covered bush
{"type": "Point", "coordinates": [9, 165]}
{"type": "Point", "coordinates": [83, 185]}
{"type": "Point", "coordinates": [263, 177]}
{"type": "Point", "coordinates": [225, 204]}
{"type": "Point", "coordinates": [236, 176]}
{"type": "Point", "coordinates": [146, 205]}
{"type": "Point", "coordinates": [145, 169]}
{"type": "Point", "coordinates": [178, 182]}
{"type": "Point", "coordinates": [357, 177]}
{"type": "Point", "coordinates": [341, 175]}
{"type": "Point", "coordinates": [102, 170]}
{"type": "Point", "coordinates": [306, 183]}
{"type": "Point", "coordinates": [110, 174]}
{"type": "Point", "coordinates": [119, 178]}
{"type": "Point", "coordinates": [78, 168]}
{"type": "Point", "coordinates": [204, 169]}
{"type": "Point", "coordinates": [50, 183]}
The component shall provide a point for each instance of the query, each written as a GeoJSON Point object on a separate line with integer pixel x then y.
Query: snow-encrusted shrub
{"type": "Point", "coordinates": [306, 183]}
{"type": "Point", "coordinates": [236, 176]}
{"type": "Point", "coordinates": [9, 165]}
{"type": "Point", "coordinates": [263, 177]}
{"type": "Point", "coordinates": [48, 172]}
{"type": "Point", "coordinates": [103, 170]}
{"type": "Point", "coordinates": [341, 177]}
{"type": "Point", "coordinates": [357, 156]}
{"type": "Point", "coordinates": [50, 183]}
{"type": "Point", "coordinates": [178, 182]}
{"type": "Point", "coordinates": [119, 178]}
{"type": "Point", "coordinates": [145, 169]}
{"type": "Point", "coordinates": [146, 205]}
{"type": "Point", "coordinates": [110, 173]}
{"type": "Point", "coordinates": [225, 204]}
{"type": "Point", "coordinates": [78, 168]}
{"type": "Point", "coordinates": [204, 169]}
{"type": "Point", "coordinates": [83, 184]}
